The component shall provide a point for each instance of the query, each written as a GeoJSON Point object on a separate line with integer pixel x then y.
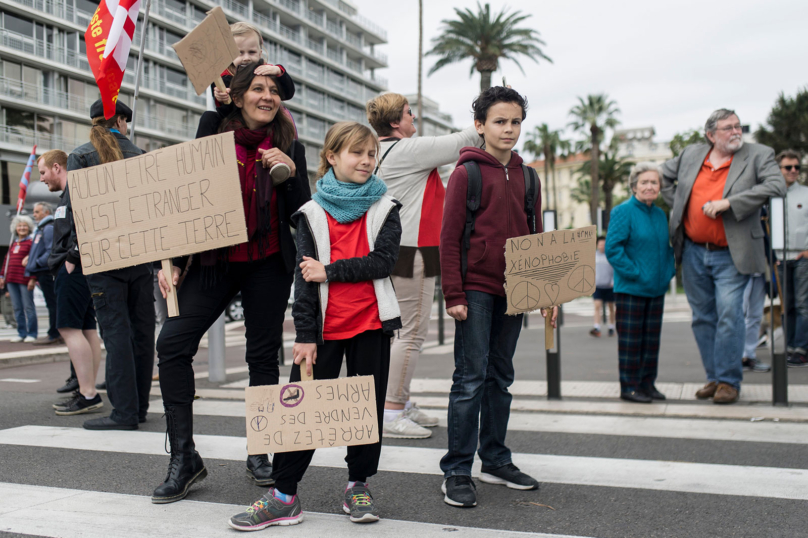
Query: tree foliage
{"type": "Point", "coordinates": [787, 124]}
{"type": "Point", "coordinates": [549, 144]}
{"type": "Point", "coordinates": [593, 116]}
{"type": "Point", "coordinates": [485, 39]}
{"type": "Point", "coordinates": [681, 140]}
{"type": "Point", "coordinates": [612, 171]}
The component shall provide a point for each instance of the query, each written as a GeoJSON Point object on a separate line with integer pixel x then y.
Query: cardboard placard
{"type": "Point", "coordinates": [170, 202]}
{"type": "Point", "coordinates": [307, 415]}
{"type": "Point", "coordinates": [548, 269]}
{"type": "Point", "coordinates": [208, 50]}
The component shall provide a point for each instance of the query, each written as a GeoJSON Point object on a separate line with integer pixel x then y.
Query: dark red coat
{"type": "Point", "coordinates": [501, 215]}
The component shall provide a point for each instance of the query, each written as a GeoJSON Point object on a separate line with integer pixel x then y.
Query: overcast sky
{"type": "Point", "coordinates": [666, 64]}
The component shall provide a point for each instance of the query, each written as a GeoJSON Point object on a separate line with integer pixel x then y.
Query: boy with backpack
{"type": "Point", "coordinates": [491, 197]}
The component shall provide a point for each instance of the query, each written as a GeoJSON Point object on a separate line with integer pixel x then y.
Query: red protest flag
{"type": "Point", "coordinates": [108, 39]}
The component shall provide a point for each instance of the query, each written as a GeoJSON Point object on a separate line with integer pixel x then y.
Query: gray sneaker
{"type": "Point", "coordinates": [415, 414]}
{"type": "Point", "coordinates": [359, 505]}
{"type": "Point", "coordinates": [266, 512]}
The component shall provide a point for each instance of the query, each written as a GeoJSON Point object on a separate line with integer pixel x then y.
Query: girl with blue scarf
{"type": "Point", "coordinates": [347, 246]}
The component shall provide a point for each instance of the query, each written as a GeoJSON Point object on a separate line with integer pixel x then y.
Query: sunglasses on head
{"type": "Point", "coordinates": [789, 167]}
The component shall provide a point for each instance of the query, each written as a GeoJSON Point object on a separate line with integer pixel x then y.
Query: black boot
{"type": "Point", "coordinates": [185, 466]}
{"type": "Point", "coordinates": [260, 469]}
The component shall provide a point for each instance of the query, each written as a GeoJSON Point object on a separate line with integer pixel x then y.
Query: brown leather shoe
{"type": "Point", "coordinates": [725, 394]}
{"type": "Point", "coordinates": [707, 391]}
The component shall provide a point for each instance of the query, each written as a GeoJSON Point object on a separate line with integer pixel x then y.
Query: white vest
{"type": "Point", "coordinates": [377, 215]}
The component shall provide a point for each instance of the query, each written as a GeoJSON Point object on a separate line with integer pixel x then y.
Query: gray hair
{"type": "Point", "coordinates": [639, 168]}
{"type": "Point", "coordinates": [715, 117]}
{"type": "Point", "coordinates": [21, 218]}
{"type": "Point", "coordinates": [46, 207]}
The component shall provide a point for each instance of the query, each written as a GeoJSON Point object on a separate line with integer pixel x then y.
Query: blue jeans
{"type": "Point", "coordinates": [714, 289]}
{"type": "Point", "coordinates": [754, 298]}
{"type": "Point", "coordinates": [796, 291]}
{"type": "Point", "coordinates": [479, 403]}
{"type": "Point", "coordinates": [22, 301]}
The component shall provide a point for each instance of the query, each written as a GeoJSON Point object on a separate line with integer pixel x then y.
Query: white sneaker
{"type": "Point", "coordinates": [29, 339]}
{"type": "Point", "coordinates": [415, 414]}
{"type": "Point", "coordinates": [16, 340]}
{"type": "Point", "coordinates": [404, 428]}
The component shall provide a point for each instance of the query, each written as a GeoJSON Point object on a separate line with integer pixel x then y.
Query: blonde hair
{"type": "Point", "coordinates": [384, 110]}
{"type": "Point", "coordinates": [104, 141]}
{"type": "Point", "coordinates": [24, 219]}
{"type": "Point", "coordinates": [345, 134]}
{"type": "Point", "coordinates": [244, 28]}
{"type": "Point", "coordinates": [54, 156]}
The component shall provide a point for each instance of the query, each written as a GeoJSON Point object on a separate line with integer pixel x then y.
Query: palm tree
{"type": "Point", "coordinates": [547, 144]}
{"type": "Point", "coordinates": [612, 171]}
{"type": "Point", "coordinates": [485, 40]}
{"type": "Point", "coordinates": [595, 115]}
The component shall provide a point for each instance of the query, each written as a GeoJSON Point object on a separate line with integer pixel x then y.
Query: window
{"type": "Point", "coordinates": [176, 77]}
{"type": "Point", "coordinates": [176, 5]}
{"type": "Point", "coordinates": [18, 25]}
{"type": "Point", "coordinates": [12, 71]}
{"type": "Point", "coordinates": [19, 119]}
{"type": "Point", "coordinates": [88, 6]}
{"type": "Point", "coordinates": [33, 80]}
{"type": "Point", "coordinates": [44, 124]}
{"type": "Point", "coordinates": [172, 38]}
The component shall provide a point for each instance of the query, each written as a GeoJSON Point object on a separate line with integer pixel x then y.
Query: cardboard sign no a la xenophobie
{"type": "Point", "coordinates": [549, 269]}
{"type": "Point", "coordinates": [171, 202]}
{"type": "Point", "coordinates": [307, 415]}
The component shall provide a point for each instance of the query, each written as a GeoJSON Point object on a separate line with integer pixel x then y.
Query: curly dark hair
{"type": "Point", "coordinates": [494, 95]}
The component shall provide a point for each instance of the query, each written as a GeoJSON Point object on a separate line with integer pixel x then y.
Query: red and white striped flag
{"type": "Point", "coordinates": [109, 38]}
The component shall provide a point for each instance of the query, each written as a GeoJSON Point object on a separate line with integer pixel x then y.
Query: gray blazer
{"type": "Point", "coordinates": [753, 178]}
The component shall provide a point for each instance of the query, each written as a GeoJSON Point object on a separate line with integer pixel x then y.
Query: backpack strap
{"type": "Point", "coordinates": [531, 192]}
{"type": "Point", "coordinates": [378, 166]}
{"type": "Point", "coordinates": [474, 193]}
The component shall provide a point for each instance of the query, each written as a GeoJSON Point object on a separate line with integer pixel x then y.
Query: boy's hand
{"type": "Point", "coordinates": [312, 270]}
{"type": "Point", "coordinates": [273, 155]}
{"type": "Point", "coordinates": [459, 312]}
{"type": "Point", "coordinates": [222, 97]}
{"type": "Point", "coordinates": [25, 261]}
{"type": "Point", "coordinates": [305, 352]}
{"type": "Point", "coordinates": [268, 70]}
{"type": "Point", "coordinates": [555, 314]}
{"type": "Point", "coordinates": [31, 284]}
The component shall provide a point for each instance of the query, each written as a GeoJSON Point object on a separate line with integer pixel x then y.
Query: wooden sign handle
{"type": "Point", "coordinates": [171, 296]}
{"type": "Point", "coordinates": [304, 376]}
{"type": "Point", "coordinates": [548, 329]}
{"type": "Point", "coordinates": [222, 88]}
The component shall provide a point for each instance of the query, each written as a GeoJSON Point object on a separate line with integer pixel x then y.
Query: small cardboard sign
{"type": "Point", "coordinates": [208, 50]}
{"type": "Point", "coordinates": [170, 202]}
{"type": "Point", "coordinates": [307, 415]}
{"type": "Point", "coordinates": [548, 269]}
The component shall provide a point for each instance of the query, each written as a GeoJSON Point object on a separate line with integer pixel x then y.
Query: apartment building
{"type": "Point", "coordinates": [46, 86]}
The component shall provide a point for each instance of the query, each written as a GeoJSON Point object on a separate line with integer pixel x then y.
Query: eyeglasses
{"type": "Point", "coordinates": [409, 111]}
{"type": "Point", "coordinates": [736, 127]}
{"type": "Point", "coordinates": [789, 167]}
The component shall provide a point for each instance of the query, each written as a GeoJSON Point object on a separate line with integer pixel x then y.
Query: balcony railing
{"type": "Point", "coordinates": [333, 29]}
{"type": "Point", "coordinates": [360, 20]}
{"type": "Point", "coordinates": [285, 31]}
{"type": "Point", "coordinates": [291, 5]}
{"type": "Point", "coordinates": [39, 95]}
{"type": "Point", "coordinates": [235, 7]}
{"type": "Point", "coordinates": [265, 22]}
{"type": "Point", "coordinates": [45, 141]}
{"type": "Point", "coordinates": [316, 46]}
{"type": "Point", "coordinates": [316, 18]}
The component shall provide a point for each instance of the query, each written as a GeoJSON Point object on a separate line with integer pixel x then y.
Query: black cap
{"type": "Point", "coordinates": [97, 110]}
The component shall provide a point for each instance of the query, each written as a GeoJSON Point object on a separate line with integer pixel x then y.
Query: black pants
{"type": "Point", "coordinates": [124, 307]}
{"type": "Point", "coordinates": [367, 353]}
{"type": "Point", "coordinates": [264, 286]}
{"type": "Point", "coordinates": [46, 284]}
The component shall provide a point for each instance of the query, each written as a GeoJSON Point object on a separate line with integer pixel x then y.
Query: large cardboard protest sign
{"type": "Point", "coordinates": [207, 51]}
{"type": "Point", "coordinates": [307, 415]}
{"type": "Point", "coordinates": [549, 269]}
{"type": "Point", "coordinates": [171, 202]}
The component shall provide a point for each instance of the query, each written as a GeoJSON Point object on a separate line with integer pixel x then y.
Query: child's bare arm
{"type": "Point", "coordinates": [268, 70]}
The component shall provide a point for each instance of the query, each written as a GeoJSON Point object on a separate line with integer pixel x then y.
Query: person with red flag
{"type": "Point", "coordinates": [109, 38]}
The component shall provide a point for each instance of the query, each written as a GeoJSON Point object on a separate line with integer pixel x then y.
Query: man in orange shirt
{"type": "Point", "coordinates": [716, 191]}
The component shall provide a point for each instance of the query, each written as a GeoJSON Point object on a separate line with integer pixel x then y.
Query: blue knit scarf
{"type": "Point", "coordinates": [347, 202]}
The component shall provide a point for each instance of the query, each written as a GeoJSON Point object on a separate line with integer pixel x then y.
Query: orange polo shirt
{"type": "Point", "coordinates": [709, 187]}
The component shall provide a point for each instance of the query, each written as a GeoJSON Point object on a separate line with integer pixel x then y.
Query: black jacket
{"type": "Point", "coordinates": [65, 242]}
{"type": "Point", "coordinates": [378, 264]}
{"type": "Point", "coordinates": [292, 193]}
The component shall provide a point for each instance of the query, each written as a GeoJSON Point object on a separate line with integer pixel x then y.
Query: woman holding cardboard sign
{"type": "Point", "coordinates": [260, 269]}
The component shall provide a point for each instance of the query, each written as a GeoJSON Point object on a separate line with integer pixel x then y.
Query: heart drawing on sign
{"type": "Point", "coordinates": [552, 291]}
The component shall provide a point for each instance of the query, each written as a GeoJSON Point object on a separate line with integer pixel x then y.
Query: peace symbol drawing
{"type": "Point", "coordinates": [582, 279]}
{"type": "Point", "coordinates": [259, 423]}
{"type": "Point", "coordinates": [525, 296]}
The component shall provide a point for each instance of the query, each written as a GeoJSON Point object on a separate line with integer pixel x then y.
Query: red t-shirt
{"type": "Point", "coordinates": [352, 308]}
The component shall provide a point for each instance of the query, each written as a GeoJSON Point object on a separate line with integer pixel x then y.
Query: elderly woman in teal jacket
{"type": "Point", "coordinates": [639, 250]}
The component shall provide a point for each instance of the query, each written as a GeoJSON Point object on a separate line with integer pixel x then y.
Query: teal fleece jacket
{"type": "Point", "coordinates": [639, 249]}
